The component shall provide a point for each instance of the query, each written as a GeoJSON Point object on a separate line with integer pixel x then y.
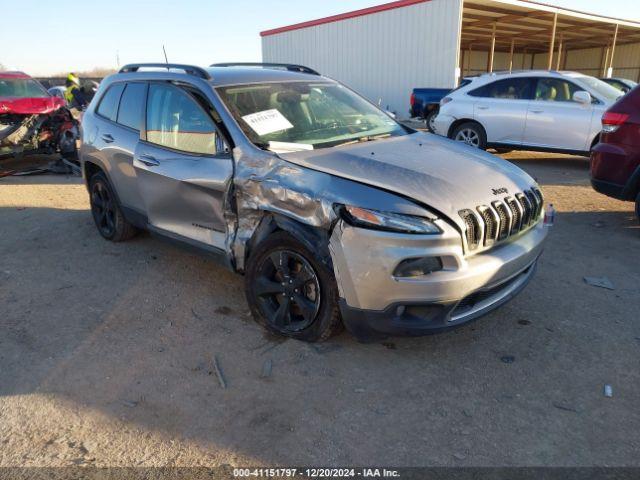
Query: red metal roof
{"type": "Point", "coordinates": [344, 16]}
{"type": "Point", "coordinates": [14, 75]}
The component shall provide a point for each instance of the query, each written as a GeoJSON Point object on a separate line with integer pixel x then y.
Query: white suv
{"type": "Point", "coordinates": [529, 110]}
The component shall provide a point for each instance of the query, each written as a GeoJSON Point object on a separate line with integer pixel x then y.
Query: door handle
{"type": "Point", "coordinates": [483, 107]}
{"type": "Point", "coordinates": [107, 138]}
{"type": "Point", "coordinates": [537, 111]}
{"type": "Point", "coordinates": [149, 160]}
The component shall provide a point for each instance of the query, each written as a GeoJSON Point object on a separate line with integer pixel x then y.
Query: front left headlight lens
{"type": "Point", "coordinates": [391, 222]}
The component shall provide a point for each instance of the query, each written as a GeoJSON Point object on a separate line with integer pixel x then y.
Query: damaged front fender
{"type": "Point", "coordinates": [272, 193]}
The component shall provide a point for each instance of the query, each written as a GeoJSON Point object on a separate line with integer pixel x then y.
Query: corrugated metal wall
{"type": "Point", "coordinates": [590, 61]}
{"type": "Point", "coordinates": [626, 61]}
{"type": "Point", "coordinates": [382, 55]}
{"type": "Point", "coordinates": [479, 59]}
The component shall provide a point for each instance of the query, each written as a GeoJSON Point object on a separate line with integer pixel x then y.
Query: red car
{"type": "Point", "coordinates": [31, 120]}
{"type": "Point", "coordinates": [615, 161]}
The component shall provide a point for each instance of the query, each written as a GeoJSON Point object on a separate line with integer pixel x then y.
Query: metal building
{"type": "Point", "coordinates": [385, 51]}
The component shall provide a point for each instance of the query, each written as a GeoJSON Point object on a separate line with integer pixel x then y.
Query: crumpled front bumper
{"type": "Point", "coordinates": [375, 303]}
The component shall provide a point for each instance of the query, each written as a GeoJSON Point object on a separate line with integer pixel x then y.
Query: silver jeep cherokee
{"type": "Point", "coordinates": [334, 212]}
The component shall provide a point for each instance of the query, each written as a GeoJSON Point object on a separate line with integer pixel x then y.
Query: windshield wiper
{"type": "Point", "coordinates": [366, 138]}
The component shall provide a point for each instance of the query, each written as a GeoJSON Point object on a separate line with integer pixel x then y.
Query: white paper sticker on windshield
{"type": "Point", "coordinates": [268, 121]}
{"type": "Point", "coordinates": [286, 147]}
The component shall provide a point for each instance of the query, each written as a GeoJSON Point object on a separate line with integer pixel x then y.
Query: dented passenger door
{"type": "Point", "coordinates": [183, 168]}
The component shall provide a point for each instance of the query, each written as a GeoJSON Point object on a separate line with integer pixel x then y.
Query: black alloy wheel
{"type": "Point", "coordinates": [288, 291]}
{"type": "Point", "coordinates": [103, 209]}
{"type": "Point", "coordinates": [106, 211]}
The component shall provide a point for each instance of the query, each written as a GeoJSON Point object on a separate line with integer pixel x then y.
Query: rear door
{"type": "Point", "coordinates": [554, 120]}
{"type": "Point", "coordinates": [501, 108]}
{"type": "Point", "coordinates": [114, 143]}
{"type": "Point", "coordinates": [183, 166]}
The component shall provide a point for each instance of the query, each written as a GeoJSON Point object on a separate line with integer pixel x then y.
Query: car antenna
{"type": "Point", "coordinates": [166, 60]}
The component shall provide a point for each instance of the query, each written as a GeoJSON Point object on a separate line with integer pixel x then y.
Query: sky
{"type": "Point", "coordinates": [48, 37]}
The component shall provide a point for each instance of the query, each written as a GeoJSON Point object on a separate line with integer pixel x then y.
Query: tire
{"type": "Point", "coordinates": [429, 118]}
{"type": "Point", "coordinates": [472, 134]}
{"type": "Point", "coordinates": [290, 292]}
{"type": "Point", "coordinates": [106, 212]}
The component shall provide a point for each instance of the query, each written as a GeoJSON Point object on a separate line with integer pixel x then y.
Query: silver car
{"type": "Point", "coordinates": [335, 213]}
{"type": "Point", "coordinates": [530, 110]}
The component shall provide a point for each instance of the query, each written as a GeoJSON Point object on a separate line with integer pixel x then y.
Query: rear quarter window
{"type": "Point", "coordinates": [516, 88]}
{"type": "Point", "coordinates": [108, 107]}
{"type": "Point", "coordinates": [132, 105]}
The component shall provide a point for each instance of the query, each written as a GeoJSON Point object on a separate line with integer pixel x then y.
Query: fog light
{"type": "Point", "coordinates": [418, 267]}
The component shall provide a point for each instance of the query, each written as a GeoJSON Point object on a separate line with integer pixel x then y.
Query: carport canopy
{"type": "Point", "coordinates": [520, 26]}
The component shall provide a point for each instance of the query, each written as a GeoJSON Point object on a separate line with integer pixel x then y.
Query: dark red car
{"type": "Point", "coordinates": [32, 120]}
{"type": "Point", "coordinates": [615, 161]}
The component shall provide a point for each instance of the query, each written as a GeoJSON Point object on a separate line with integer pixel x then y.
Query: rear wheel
{"type": "Point", "coordinates": [290, 292]}
{"type": "Point", "coordinates": [106, 212]}
{"type": "Point", "coordinates": [472, 134]}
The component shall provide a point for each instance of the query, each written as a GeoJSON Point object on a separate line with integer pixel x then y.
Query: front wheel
{"type": "Point", "coordinates": [472, 134]}
{"type": "Point", "coordinates": [290, 292]}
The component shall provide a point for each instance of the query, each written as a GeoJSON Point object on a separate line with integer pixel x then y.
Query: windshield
{"type": "Point", "coordinates": [22, 88]}
{"type": "Point", "coordinates": [625, 87]}
{"type": "Point", "coordinates": [605, 91]}
{"type": "Point", "coordinates": [295, 116]}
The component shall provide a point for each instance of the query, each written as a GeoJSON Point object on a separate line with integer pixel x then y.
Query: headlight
{"type": "Point", "coordinates": [391, 222]}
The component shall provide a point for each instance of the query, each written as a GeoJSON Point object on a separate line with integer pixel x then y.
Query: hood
{"type": "Point", "coordinates": [437, 172]}
{"type": "Point", "coordinates": [30, 106]}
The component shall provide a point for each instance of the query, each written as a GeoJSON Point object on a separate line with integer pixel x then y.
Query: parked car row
{"type": "Point", "coordinates": [532, 110]}
{"type": "Point", "coordinates": [425, 102]}
{"type": "Point", "coordinates": [563, 112]}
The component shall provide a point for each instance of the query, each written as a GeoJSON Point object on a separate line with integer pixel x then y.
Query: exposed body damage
{"type": "Point", "coordinates": [48, 133]}
{"type": "Point", "coordinates": [398, 232]}
{"type": "Point", "coordinates": [266, 184]}
{"type": "Point", "coordinates": [40, 124]}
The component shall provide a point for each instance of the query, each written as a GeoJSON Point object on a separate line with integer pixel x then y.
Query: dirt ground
{"type": "Point", "coordinates": [106, 354]}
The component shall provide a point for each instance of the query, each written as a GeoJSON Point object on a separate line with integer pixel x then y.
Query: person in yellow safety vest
{"type": "Point", "coordinates": [73, 95]}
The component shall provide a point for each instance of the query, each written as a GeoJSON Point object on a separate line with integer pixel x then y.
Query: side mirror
{"type": "Point", "coordinates": [582, 97]}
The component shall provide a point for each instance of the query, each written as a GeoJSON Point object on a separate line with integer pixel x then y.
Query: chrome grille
{"type": "Point", "coordinates": [472, 228]}
{"type": "Point", "coordinates": [505, 220]}
{"type": "Point", "coordinates": [527, 209]}
{"type": "Point", "coordinates": [536, 206]}
{"type": "Point", "coordinates": [516, 215]}
{"type": "Point", "coordinates": [502, 219]}
{"type": "Point", "coordinates": [490, 224]}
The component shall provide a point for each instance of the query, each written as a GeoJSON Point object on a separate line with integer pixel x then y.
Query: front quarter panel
{"type": "Point", "coordinates": [266, 184]}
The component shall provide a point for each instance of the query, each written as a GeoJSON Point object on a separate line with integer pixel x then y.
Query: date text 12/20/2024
{"type": "Point", "coordinates": [315, 473]}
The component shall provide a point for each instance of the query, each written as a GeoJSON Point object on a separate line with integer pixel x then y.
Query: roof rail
{"type": "Point", "coordinates": [287, 66]}
{"type": "Point", "coordinates": [188, 69]}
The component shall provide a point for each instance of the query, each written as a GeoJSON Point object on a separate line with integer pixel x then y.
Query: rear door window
{"type": "Point", "coordinates": [175, 120]}
{"type": "Point", "coordinates": [518, 88]}
{"type": "Point", "coordinates": [108, 107]}
{"type": "Point", "coordinates": [132, 105]}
